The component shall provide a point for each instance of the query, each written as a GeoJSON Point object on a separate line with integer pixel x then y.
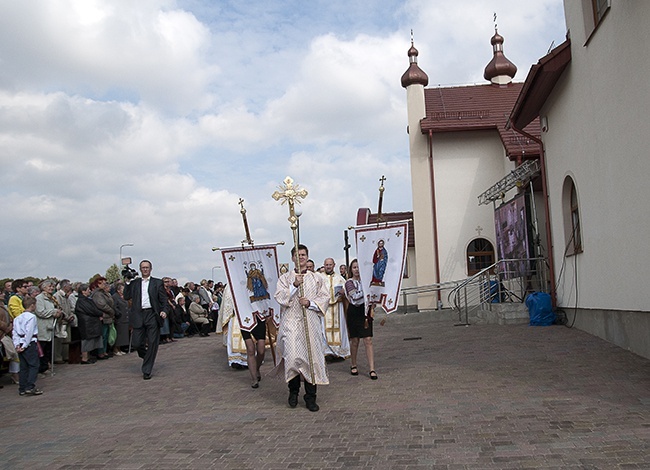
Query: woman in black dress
{"type": "Point", "coordinates": [359, 320]}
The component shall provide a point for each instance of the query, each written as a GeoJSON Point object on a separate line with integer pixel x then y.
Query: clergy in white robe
{"type": "Point", "coordinates": [300, 349]}
{"type": "Point", "coordinates": [228, 324]}
{"type": "Point", "coordinates": [337, 343]}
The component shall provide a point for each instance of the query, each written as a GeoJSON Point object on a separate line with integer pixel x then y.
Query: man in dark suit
{"type": "Point", "coordinates": [148, 310]}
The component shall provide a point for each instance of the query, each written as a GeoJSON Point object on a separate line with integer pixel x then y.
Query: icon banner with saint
{"type": "Point", "coordinates": [253, 276]}
{"type": "Point", "coordinates": [381, 253]}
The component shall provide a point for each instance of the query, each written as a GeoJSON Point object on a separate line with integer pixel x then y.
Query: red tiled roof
{"type": "Point", "coordinates": [479, 107]}
{"type": "Point", "coordinates": [364, 217]}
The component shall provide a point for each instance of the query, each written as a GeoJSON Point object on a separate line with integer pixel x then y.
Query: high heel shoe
{"type": "Point", "coordinates": [15, 381]}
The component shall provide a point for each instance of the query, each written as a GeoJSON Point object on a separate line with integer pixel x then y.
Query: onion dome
{"type": "Point", "coordinates": [414, 74]}
{"type": "Point", "coordinates": [500, 70]}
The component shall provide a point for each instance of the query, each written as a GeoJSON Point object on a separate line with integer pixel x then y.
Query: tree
{"type": "Point", "coordinates": [113, 274]}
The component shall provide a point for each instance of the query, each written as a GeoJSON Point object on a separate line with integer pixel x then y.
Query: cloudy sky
{"type": "Point", "coordinates": [145, 122]}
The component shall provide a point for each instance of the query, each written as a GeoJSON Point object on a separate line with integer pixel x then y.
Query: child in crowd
{"type": "Point", "coordinates": [26, 343]}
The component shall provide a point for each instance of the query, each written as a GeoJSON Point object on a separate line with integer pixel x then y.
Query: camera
{"type": "Point", "coordinates": [129, 273]}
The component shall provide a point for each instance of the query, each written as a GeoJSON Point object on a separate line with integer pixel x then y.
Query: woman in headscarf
{"type": "Point", "coordinates": [90, 323]}
{"type": "Point", "coordinates": [101, 296]}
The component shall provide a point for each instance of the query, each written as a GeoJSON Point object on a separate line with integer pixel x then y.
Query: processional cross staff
{"type": "Point", "coordinates": [291, 194]}
{"type": "Point", "coordinates": [248, 239]}
{"type": "Point", "coordinates": [380, 217]}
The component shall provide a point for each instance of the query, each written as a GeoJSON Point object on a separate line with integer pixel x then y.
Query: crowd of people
{"type": "Point", "coordinates": [60, 321]}
{"type": "Point", "coordinates": [82, 323]}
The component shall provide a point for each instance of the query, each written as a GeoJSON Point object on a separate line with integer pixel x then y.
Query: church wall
{"type": "Point", "coordinates": [422, 207]}
{"type": "Point", "coordinates": [597, 135]}
{"type": "Point", "coordinates": [467, 163]}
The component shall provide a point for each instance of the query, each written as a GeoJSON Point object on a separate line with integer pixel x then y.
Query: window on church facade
{"type": "Point", "coordinates": [571, 209]}
{"type": "Point", "coordinates": [480, 255]}
{"type": "Point", "coordinates": [593, 12]}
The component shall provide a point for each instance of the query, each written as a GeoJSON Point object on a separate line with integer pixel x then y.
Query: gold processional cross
{"type": "Point", "coordinates": [291, 194]}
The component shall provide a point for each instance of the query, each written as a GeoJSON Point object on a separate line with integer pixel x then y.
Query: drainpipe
{"type": "Point", "coordinates": [436, 258]}
{"type": "Point", "coordinates": [547, 212]}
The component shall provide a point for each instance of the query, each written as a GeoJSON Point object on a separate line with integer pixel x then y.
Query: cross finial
{"type": "Point", "coordinates": [411, 37]}
{"type": "Point", "coordinates": [495, 20]}
{"type": "Point", "coordinates": [241, 203]}
{"type": "Point", "coordinates": [290, 194]}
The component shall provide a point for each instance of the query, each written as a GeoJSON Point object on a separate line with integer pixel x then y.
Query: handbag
{"type": "Point", "coordinates": [112, 334]}
{"type": "Point", "coordinates": [10, 349]}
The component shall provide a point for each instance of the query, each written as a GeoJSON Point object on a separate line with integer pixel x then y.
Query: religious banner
{"type": "Point", "coordinates": [381, 253]}
{"type": "Point", "coordinates": [253, 276]}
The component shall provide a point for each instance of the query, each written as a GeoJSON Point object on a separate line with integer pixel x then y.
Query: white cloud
{"type": "Point", "coordinates": [145, 122]}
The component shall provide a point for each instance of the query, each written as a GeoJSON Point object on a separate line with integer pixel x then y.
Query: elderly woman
{"type": "Point", "coordinates": [47, 312]}
{"type": "Point", "coordinates": [121, 319]}
{"type": "Point", "coordinates": [101, 295]}
{"type": "Point", "coordinates": [90, 323]}
{"type": "Point", "coordinates": [199, 316]}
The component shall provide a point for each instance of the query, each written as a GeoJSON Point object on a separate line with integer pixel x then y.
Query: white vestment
{"type": "Point", "coordinates": [300, 353]}
{"type": "Point", "coordinates": [228, 324]}
{"type": "Point", "coordinates": [334, 328]}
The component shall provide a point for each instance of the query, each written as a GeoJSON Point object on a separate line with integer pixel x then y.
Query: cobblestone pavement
{"type": "Point", "coordinates": [477, 397]}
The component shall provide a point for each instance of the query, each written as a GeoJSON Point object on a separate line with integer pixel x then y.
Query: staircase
{"type": "Point", "coordinates": [496, 294]}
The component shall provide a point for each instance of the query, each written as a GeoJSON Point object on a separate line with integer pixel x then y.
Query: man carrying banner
{"type": "Point", "coordinates": [337, 343]}
{"type": "Point", "coordinates": [300, 344]}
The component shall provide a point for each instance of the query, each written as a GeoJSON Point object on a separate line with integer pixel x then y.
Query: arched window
{"type": "Point", "coordinates": [480, 255]}
{"type": "Point", "coordinates": [571, 212]}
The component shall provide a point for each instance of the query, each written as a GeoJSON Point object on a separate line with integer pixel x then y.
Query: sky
{"type": "Point", "coordinates": [144, 123]}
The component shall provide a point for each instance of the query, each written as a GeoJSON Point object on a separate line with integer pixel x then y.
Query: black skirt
{"type": "Point", "coordinates": [258, 332]}
{"type": "Point", "coordinates": [356, 320]}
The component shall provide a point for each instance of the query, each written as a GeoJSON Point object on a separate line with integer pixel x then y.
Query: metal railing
{"type": "Point", "coordinates": [440, 287]}
{"type": "Point", "coordinates": [508, 280]}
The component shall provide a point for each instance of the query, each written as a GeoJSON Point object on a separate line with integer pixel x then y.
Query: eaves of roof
{"type": "Point", "coordinates": [539, 84]}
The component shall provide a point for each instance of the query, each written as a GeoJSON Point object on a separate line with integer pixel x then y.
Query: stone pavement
{"type": "Point", "coordinates": [477, 397]}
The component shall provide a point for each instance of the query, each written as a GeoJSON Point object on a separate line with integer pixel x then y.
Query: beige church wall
{"type": "Point", "coordinates": [422, 207]}
{"type": "Point", "coordinates": [467, 163]}
{"type": "Point", "coordinates": [597, 135]}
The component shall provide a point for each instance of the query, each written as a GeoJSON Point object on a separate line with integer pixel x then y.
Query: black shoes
{"type": "Point", "coordinates": [293, 399]}
{"type": "Point", "coordinates": [312, 405]}
{"type": "Point", "coordinates": [146, 376]}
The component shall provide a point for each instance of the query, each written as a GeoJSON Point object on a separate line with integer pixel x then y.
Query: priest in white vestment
{"type": "Point", "coordinates": [335, 332]}
{"type": "Point", "coordinates": [300, 349]}
{"type": "Point", "coordinates": [228, 325]}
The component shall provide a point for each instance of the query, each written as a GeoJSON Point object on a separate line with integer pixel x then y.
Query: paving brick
{"type": "Point", "coordinates": [459, 398]}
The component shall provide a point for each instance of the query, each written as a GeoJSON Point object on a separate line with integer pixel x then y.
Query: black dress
{"type": "Point", "coordinates": [359, 325]}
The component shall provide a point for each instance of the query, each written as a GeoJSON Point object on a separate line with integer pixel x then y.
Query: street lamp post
{"type": "Point", "coordinates": [122, 246]}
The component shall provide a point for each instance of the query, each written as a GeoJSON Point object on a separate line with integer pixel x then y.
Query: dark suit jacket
{"type": "Point", "coordinates": [157, 297]}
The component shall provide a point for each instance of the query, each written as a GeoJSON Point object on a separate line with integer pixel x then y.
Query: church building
{"type": "Point", "coordinates": [460, 145]}
{"type": "Point", "coordinates": [574, 137]}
